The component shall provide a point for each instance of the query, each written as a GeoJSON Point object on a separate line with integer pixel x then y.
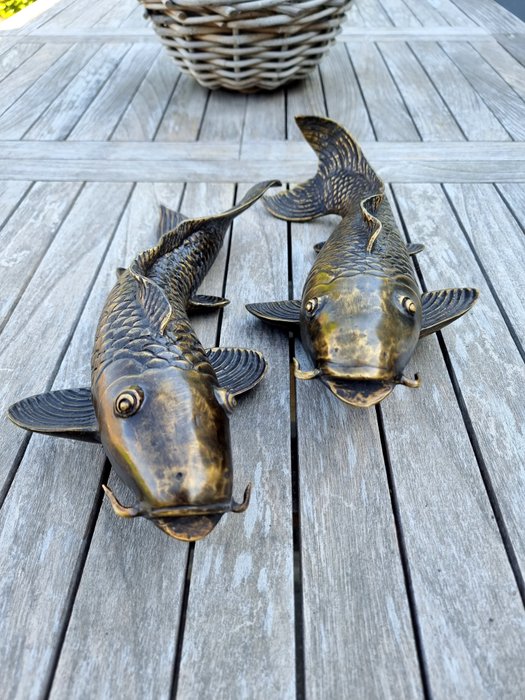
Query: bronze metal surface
{"type": "Point", "coordinates": [159, 402]}
{"type": "Point", "coordinates": [361, 313]}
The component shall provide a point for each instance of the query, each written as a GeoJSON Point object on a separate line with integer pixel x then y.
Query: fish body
{"type": "Point", "coordinates": [159, 401]}
{"type": "Point", "coordinates": [361, 313]}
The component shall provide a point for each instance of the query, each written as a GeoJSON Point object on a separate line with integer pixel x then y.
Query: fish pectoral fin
{"type": "Point", "coordinates": [169, 219]}
{"type": "Point", "coordinates": [238, 370]}
{"type": "Point", "coordinates": [443, 306]}
{"type": "Point", "coordinates": [284, 314]}
{"type": "Point", "coordinates": [319, 246]}
{"type": "Point", "coordinates": [415, 248]}
{"type": "Point", "coordinates": [65, 413]}
{"type": "Point", "coordinates": [206, 302]}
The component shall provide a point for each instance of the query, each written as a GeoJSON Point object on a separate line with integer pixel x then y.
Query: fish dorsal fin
{"type": "Point", "coordinates": [285, 314]}
{"type": "Point", "coordinates": [369, 205]}
{"type": "Point", "coordinates": [154, 303]}
{"type": "Point", "coordinates": [238, 370]}
{"type": "Point", "coordinates": [443, 306]}
{"type": "Point", "coordinates": [65, 413]}
{"type": "Point", "coordinates": [169, 219]}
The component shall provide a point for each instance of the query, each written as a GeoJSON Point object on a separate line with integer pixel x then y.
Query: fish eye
{"type": "Point", "coordinates": [311, 306]}
{"type": "Point", "coordinates": [128, 402]}
{"type": "Point", "coordinates": [408, 305]}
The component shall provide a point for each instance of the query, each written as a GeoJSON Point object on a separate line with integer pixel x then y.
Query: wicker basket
{"type": "Point", "coordinates": [246, 45]}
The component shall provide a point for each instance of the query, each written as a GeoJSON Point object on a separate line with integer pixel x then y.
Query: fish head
{"type": "Point", "coordinates": [361, 332]}
{"type": "Point", "coordinates": [166, 432]}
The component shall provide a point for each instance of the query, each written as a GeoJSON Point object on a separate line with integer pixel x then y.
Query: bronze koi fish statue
{"type": "Point", "coordinates": [361, 314]}
{"type": "Point", "coordinates": [159, 402]}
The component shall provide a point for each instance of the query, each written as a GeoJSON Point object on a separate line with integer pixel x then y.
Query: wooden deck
{"type": "Point", "coordinates": [383, 551]}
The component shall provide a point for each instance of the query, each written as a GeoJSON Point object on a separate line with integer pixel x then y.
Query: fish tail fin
{"type": "Point", "coordinates": [344, 179]}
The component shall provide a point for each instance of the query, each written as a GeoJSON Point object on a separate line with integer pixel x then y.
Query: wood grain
{"type": "Point", "coordinates": [379, 90]}
{"type": "Point", "coordinates": [461, 98]}
{"type": "Point", "coordinates": [496, 93]}
{"type": "Point", "coordinates": [27, 236]}
{"type": "Point", "coordinates": [427, 108]}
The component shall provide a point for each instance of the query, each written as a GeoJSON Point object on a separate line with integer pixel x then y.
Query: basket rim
{"type": "Point", "coordinates": [294, 7]}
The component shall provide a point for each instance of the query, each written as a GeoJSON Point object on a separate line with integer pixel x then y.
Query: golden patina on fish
{"type": "Point", "coordinates": [361, 314]}
{"type": "Point", "coordinates": [158, 401]}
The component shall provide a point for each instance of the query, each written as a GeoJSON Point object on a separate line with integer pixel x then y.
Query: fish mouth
{"type": "Point", "coordinates": [187, 522]}
{"type": "Point", "coordinates": [361, 393]}
{"type": "Point", "coordinates": [363, 386]}
{"type": "Point", "coordinates": [188, 528]}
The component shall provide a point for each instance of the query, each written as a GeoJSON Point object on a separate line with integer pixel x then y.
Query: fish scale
{"type": "Point", "coordinates": [124, 333]}
{"type": "Point", "coordinates": [345, 253]}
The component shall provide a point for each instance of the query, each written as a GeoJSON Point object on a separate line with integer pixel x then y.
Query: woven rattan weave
{"type": "Point", "coordinates": [247, 45]}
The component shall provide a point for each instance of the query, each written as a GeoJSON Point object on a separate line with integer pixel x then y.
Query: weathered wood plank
{"type": "Point", "coordinates": [65, 111]}
{"type": "Point", "coordinates": [141, 119]}
{"type": "Point", "coordinates": [14, 56]}
{"type": "Point", "coordinates": [303, 98]}
{"type": "Point", "coordinates": [121, 161]}
{"type": "Point", "coordinates": [264, 120]}
{"type": "Point", "coordinates": [365, 35]}
{"type": "Point", "coordinates": [11, 194]}
{"type": "Point", "coordinates": [514, 195]}
{"type": "Point", "coordinates": [481, 350]}
{"type": "Point", "coordinates": [426, 14]}
{"type": "Point", "coordinates": [286, 151]}
{"type": "Point", "coordinates": [344, 101]}
{"type": "Point", "coordinates": [490, 14]}
{"type": "Point", "coordinates": [69, 260]}
{"type": "Point", "coordinates": [499, 243]}
{"type": "Point", "coordinates": [27, 236]}
{"type": "Point", "coordinates": [499, 97]}
{"type": "Point", "coordinates": [373, 15]}
{"type": "Point", "coordinates": [232, 106]}
{"type": "Point", "coordinates": [19, 118]}
{"type": "Point", "coordinates": [41, 532]}
{"type": "Point", "coordinates": [400, 14]}
{"type": "Point", "coordinates": [514, 44]}
{"type": "Point", "coordinates": [512, 72]}
{"type": "Point", "coordinates": [28, 73]}
{"type": "Point", "coordinates": [466, 599]}
{"type": "Point", "coordinates": [103, 114]}
{"type": "Point", "coordinates": [390, 124]}
{"type": "Point", "coordinates": [97, 35]}
{"type": "Point", "coordinates": [430, 114]}
{"type": "Point", "coordinates": [461, 98]}
{"type": "Point", "coordinates": [452, 13]}
{"type": "Point", "coordinates": [183, 116]}
{"type": "Point", "coordinates": [131, 586]}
